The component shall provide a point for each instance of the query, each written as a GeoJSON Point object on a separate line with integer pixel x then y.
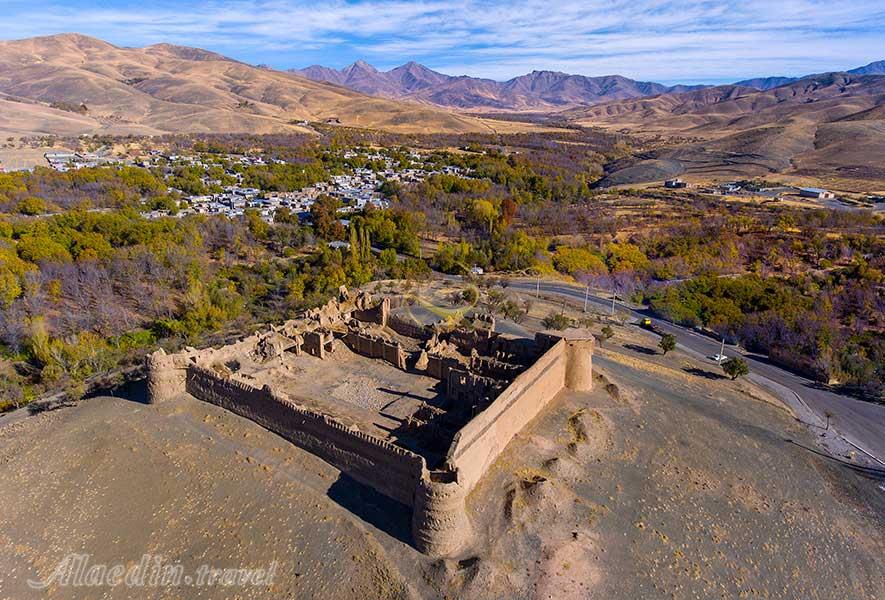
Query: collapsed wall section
{"type": "Point", "coordinates": [393, 471]}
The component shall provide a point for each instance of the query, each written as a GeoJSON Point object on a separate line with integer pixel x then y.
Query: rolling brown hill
{"type": "Point", "coordinates": [824, 126]}
{"type": "Point", "coordinates": [71, 83]}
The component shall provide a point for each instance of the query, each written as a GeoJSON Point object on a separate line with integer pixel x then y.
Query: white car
{"type": "Point", "coordinates": [718, 358]}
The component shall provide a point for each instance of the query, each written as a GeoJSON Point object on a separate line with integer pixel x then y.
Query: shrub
{"type": "Point", "coordinates": [735, 367]}
{"type": "Point", "coordinates": [606, 334]}
{"type": "Point", "coordinates": [556, 321]}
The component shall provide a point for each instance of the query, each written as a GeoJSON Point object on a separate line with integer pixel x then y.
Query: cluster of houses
{"type": "Point", "coordinates": [356, 191]}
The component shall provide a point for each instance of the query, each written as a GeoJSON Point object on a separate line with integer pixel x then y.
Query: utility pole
{"type": "Point", "coordinates": [586, 294]}
{"type": "Point", "coordinates": [613, 302]}
{"type": "Point", "coordinates": [538, 288]}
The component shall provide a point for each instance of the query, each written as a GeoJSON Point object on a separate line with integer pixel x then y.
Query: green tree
{"type": "Point", "coordinates": [572, 261]}
{"type": "Point", "coordinates": [557, 321]}
{"type": "Point", "coordinates": [735, 367]}
{"type": "Point", "coordinates": [41, 247]}
{"type": "Point", "coordinates": [667, 343]}
{"type": "Point", "coordinates": [257, 226]}
{"type": "Point", "coordinates": [12, 269]}
{"type": "Point", "coordinates": [32, 206]}
{"type": "Point", "coordinates": [483, 211]}
{"type": "Point", "coordinates": [625, 257]}
{"type": "Point", "coordinates": [324, 214]}
{"type": "Point", "coordinates": [606, 334]}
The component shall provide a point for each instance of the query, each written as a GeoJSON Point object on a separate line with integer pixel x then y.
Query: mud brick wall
{"type": "Point", "coordinates": [409, 328]}
{"type": "Point", "coordinates": [313, 344]}
{"type": "Point", "coordinates": [480, 442]}
{"type": "Point", "coordinates": [393, 471]}
{"type": "Point", "coordinates": [438, 367]}
{"type": "Point", "coordinates": [474, 339]}
{"type": "Point", "coordinates": [468, 389]}
{"type": "Point", "coordinates": [515, 350]}
{"type": "Point", "coordinates": [497, 369]}
{"type": "Point", "coordinates": [380, 313]}
{"type": "Point", "coordinates": [364, 345]}
{"type": "Point", "coordinates": [376, 347]}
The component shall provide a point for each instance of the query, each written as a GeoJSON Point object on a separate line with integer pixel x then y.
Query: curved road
{"type": "Point", "coordinates": [861, 424]}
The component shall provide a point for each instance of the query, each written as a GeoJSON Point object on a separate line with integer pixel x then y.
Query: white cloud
{"type": "Point", "coordinates": [648, 39]}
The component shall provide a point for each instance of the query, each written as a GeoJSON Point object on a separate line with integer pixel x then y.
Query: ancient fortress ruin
{"type": "Point", "coordinates": [417, 412]}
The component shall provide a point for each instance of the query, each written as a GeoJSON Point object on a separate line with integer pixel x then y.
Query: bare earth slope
{"type": "Point", "coordinates": [166, 88]}
{"type": "Point", "coordinates": [827, 125]}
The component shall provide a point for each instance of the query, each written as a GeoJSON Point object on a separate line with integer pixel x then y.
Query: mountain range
{"type": "Point", "coordinates": [72, 84]}
{"type": "Point", "coordinates": [538, 90]}
{"type": "Point", "coordinates": [767, 83]}
{"type": "Point", "coordinates": [535, 91]}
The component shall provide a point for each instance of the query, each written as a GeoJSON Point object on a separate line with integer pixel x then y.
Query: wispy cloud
{"type": "Point", "coordinates": [692, 40]}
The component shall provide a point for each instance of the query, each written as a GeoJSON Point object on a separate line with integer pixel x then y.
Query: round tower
{"type": "Point", "coordinates": [440, 526]}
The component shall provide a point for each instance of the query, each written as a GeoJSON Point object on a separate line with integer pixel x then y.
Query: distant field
{"type": "Point", "coordinates": [15, 159]}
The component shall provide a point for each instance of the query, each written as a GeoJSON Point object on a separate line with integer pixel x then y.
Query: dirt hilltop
{"type": "Point", "coordinates": [666, 480]}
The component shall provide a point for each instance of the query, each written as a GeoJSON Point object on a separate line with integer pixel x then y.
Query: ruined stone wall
{"type": "Point", "coordinates": [522, 351]}
{"type": "Point", "coordinates": [464, 388]}
{"type": "Point", "coordinates": [480, 442]}
{"type": "Point", "coordinates": [468, 340]}
{"type": "Point", "coordinates": [393, 471]}
{"type": "Point", "coordinates": [376, 347]}
{"type": "Point", "coordinates": [438, 367]}
{"type": "Point", "coordinates": [409, 328]}
{"type": "Point", "coordinates": [380, 313]}
{"type": "Point", "coordinates": [315, 343]}
{"type": "Point", "coordinates": [497, 369]}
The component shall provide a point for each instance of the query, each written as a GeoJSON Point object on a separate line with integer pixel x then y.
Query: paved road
{"type": "Point", "coordinates": [862, 424]}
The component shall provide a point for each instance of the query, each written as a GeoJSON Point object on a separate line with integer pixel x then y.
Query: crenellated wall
{"type": "Point", "coordinates": [392, 470]}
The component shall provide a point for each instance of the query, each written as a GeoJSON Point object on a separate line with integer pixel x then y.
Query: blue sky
{"type": "Point", "coordinates": [658, 40]}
